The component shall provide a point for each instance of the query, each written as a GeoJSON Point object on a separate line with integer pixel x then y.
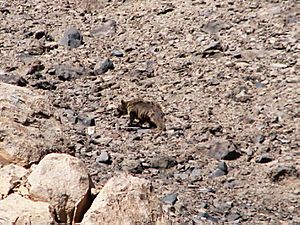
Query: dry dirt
{"type": "Point", "coordinates": [225, 72]}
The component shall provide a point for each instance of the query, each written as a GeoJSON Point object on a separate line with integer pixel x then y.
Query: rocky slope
{"type": "Point", "coordinates": [225, 72]}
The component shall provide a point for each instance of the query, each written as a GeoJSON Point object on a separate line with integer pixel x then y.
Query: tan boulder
{"type": "Point", "coordinates": [62, 180]}
{"type": "Point", "coordinates": [10, 176]}
{"type": "Point", "coordinates": [125, 200]}
{"type": "Point", "coordinates": [28, 127]}
{"type": "Point", "coordinates": [18, 210]}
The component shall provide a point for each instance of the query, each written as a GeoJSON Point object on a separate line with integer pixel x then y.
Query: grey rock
{"type": "Point", "coordinates": [71, 38]}
{"type": "Point", "coordinates": [217, 173]}
{"type": "Point", "coordinates": [181, 176]}
{"type": "Point", "coordinates": [223, 206]}
{"type": "Point", "coordinates": [213, 82]}
{"type": "Point", "coordinates": [196, 174]}
{"type": "Point", "coordinates": [259, 139]}
{"type": "Point", "coordinates": [225, 150]}
{"type": "Point", "coordinates": [232, 217]}
{"type": "Point", "coordinates": [265, 158]}
{"type": "Point", "coordinates": [170, 199]}
{"type": "Point", "coordinates": [117, 53]}
{"type": "Point", "coordinates": [221, 170]}
{"type": "Point", "coordinates": [103, 67]}
{"type": "Point", "coordinates": [104, 157]}
{"type": "Point", "coordinates": [85, 120]}
{"type": "Point", "coordinates": [223, 166]}
{"type": "Point", "coordinates": [259, 85]}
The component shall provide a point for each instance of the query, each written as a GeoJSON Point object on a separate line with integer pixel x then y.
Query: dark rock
{"type": "Point", "coordinates": [51, 71]}
{"type": "Point", "coordinates": [39, 34]}
{"type": "Point", "coordinates": [264, 159]}
{"type": "Point", "coordinates": [104, 157]}
{"type": "Point", "coordinates": [225, 150]}
{"type": "Point", "coordinates": [103, 67]}
{"type": "Point", "coordinates": [216, 130]}
{"type": "Point", "coordinates": [107, 28]}
{"type": "Point", "coordinates": [170, 199]}
{"type": "Point", "coordinates": [162, 162]}
{"type": "Point", "coordinates": [279, 172]}
{"type": "Point", "coordinates": [66, 72]}
{"type": "Point", "coordinates": [45, 85]}
{"type": "Point", "coordinates": [72, 38]}
{"type": "Point", "coordinates": [85, 120]}
{"type": "Point", "coordinates": [28, 34]}
{"type": "Point", "coordinates": [117, 53]}
{"type": "Point", "coordinates": [232, 217]}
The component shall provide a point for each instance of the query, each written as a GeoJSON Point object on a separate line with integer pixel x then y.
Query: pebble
{"type": "Point", "coordinates": [232, 217]}
{"type": "Point", "coordinates": [170, 199]}
{"type": "Point", "coordinates": [196, 174]}
{"type": "Point", "coordinates": [71, 38]}
{"type": "Point", "coordinates": [133, 166]}
{"type": "Point", "coordinates": [67, 72]}
{"type": "Point", "coordinates": [85, 120]}
{"type": "Point", "coordinates": [164, 162]}
{"type": "Point", "coordinates": [264, 159]}
{"type": "Point", "coordinates": [223, 166]}
{"type": "Point", "coordinates": [217, 173]}
{"type": "Point", "coordinates": [213, 82]}
{"type": "Point", "coordinates": [39, 34]}
{"type": "Point", "coordinates": [117, 53]}
{"type": "Point", "coordinates": [104, 157]}
{"type": "Point", "coordinates": [259, 139]}
{"type": "Point", "coordinates": [225, 150]}
{"type": "Point", "coordinates": [206, 216]}
{"type": "Point", "coordinates": [103, 67]}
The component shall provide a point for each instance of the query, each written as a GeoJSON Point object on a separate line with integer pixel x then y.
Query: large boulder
{"type": "Point", "coordinates": [18, 210]}
{"type": "Point", "coordinates": [125, 200]}
{"type": "Point", "coordinates": [62, 180]}
{"type": "Point", "coordinates": [28, 127]}
{"type": "Point", "coordinates": [10, 176]}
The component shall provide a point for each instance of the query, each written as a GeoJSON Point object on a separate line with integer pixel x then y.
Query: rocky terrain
{"type": "Point", "coordinates": [226, 74]}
